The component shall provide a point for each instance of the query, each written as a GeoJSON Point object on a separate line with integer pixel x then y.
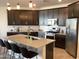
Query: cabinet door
{"type": "Point", "coordinates": [43, 17]}
{"type": "Point", "coordinates": [17, 17]}
{"type": "Point", "coordinates": [55, 13]}
{"type": "Point", "coordinates": [62, 16]}
{"type": "Point", "coordinates": [23, 17]}
{"type": "Point", "coordinates": [35, 15]}
{"type": "Point", "coordinates": [70, 11]}
{"type": "Point", "coordinates": [11, 19]}
{"type": "Point", "coordinates": [50, 14]}
{"type": "Point", "coordinates": [76, 10]}
{"type": "Point", "coordinates": [73, 10]}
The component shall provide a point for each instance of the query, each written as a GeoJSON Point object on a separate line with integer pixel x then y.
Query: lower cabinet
{"type": "Point", "coordinates": [14, 33]}
{"type": "Point", "coordinates": [60, 41]}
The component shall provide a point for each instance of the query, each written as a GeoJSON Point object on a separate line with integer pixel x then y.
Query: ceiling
{"type": "Point", "coordinates": [39, 3]}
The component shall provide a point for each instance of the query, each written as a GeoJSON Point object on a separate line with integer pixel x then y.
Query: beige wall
{"type": "Point", "coordinates": [3, 21]}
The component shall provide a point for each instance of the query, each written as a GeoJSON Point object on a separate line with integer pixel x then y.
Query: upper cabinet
{"type": "Point", "coordinates": [61, 14]}
{"type": "Point", "coordinates": [23, 17]}
{"type": "Point", "coordinates": [73, 10]}
{"type": "Point", "coordinates": [43, 17]}
{"type": "Point", "coordinates": [35, 17]}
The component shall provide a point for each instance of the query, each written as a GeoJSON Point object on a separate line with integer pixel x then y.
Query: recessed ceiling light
{"type": "Point", "coordinates": [59, 0]}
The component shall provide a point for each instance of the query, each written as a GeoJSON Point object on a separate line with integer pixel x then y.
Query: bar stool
{"type": "Point", "coordinates": [2, 47]}
{"type": "Point", "coordinates": [15, 49]}
{"type": "Point", "coordinates": [28, 54]}
{"type": "Point", "coordinates": [2, 44]}
{"type": "Point", "coordinates": [8, 47]}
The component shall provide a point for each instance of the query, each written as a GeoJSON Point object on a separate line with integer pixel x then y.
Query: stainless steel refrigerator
{"type": "Point", "coordinates": [72, 36]}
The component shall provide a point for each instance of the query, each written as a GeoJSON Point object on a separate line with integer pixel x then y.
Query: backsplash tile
{"type": "Point", "coordinates": [22, 28]}
{"type": "Point", "coordinates": [34, 28]}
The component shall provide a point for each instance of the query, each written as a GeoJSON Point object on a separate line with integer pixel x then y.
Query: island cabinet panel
{"type": "Point", "coordinates": [50, 51]}
{"type": "Point", "coordinates": [73, 10]}
{"type": "Point", "coordinates": [22, 17]}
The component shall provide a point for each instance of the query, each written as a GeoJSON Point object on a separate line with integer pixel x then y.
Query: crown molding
{"type": "Point", "coordinates": [54, 6]}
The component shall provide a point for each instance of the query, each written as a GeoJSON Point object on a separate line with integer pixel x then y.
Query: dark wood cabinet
{"type": "Point", "coordinates": [14, 33]}
{"type": "Point", "coordinates": [60, 41]}
{"type": "Point", "coordinates": [35, 20]}
{"type": "Point", "coordinates": [35, 17]}
{"type": "Point", "coordinates": [50, 14]}
{"type": "Point", "coordinates": [25, 33]}
{"type": "Point", "coordinates": [61, 14]}
{"type": "Point", "coordinates": [43, 17]}
{"type": "Point", "coordinates": [11, 19]}
{"type": "Point", "coordinates": [73, 10]}
{"type": "Point", "coordinates": [23, 17]}
{"type": "Point", "coordinates": [70, 11]}
{"type": "Point", "coordinates": [55, 13]}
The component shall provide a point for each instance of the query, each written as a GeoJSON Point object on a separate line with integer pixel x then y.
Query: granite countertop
{"type": "Point", "coordinates": [20, 38]}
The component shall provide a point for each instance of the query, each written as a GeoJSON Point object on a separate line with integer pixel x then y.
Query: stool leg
{"type": "Point", "coordinates": [13, 55]}
{"type": "Point", "coordinates": [36, 57]}
{"type": "Point", "coordinates": [19, 56]}
{"type": "Point", "coordinates": [4, 52]}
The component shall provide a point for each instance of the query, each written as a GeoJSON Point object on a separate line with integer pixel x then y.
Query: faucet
{"type": "Point", "coordinates": [29, 30]}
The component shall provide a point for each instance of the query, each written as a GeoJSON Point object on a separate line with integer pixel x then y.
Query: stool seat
{"type": "Point", "coordinates": [27, 54]}
{"type": "Point", "coordinates": [31, 54]}
{"type": "Point", "coordinates": [2, 43]}
{"type": "Point", "coordinates": [7, 44]}
{"type": "Point", "coordinates": [15, 48]}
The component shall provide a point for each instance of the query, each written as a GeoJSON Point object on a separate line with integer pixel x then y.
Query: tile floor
{"type": "Point", "coordinates": [58, 54]}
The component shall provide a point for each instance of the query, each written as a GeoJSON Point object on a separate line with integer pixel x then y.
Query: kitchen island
{"type": "Point", "coordinates": [46, 44]}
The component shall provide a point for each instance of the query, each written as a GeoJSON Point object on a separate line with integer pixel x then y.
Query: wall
{"type": "Point", "coordinates": [78, 44]}
{"type": "Point", "coordinates": [3, 21]}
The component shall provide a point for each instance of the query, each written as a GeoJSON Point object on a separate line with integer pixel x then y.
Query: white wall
{"type": "Point", "coordinates": [3, 21]}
